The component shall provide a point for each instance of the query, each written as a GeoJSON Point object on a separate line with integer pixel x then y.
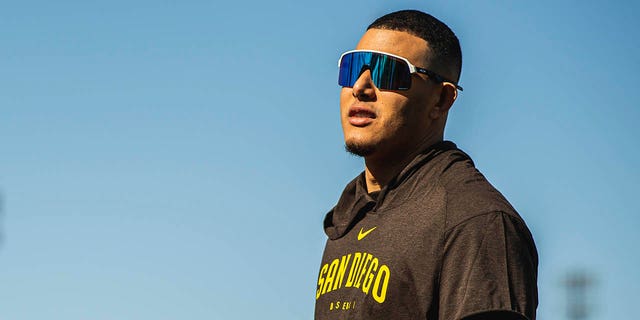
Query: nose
{"type": "Point", "coordinates": [363, 88]}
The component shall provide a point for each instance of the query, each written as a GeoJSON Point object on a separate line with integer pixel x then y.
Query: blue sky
{"type": "Point", "coordinates": [171, 160]}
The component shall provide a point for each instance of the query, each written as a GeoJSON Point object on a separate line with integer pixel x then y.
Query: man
{"type": "Point", "coordinates": [420, 234]}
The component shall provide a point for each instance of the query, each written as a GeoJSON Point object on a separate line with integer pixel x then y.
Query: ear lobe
{"type": "Point", "coordinates": [448, 95]}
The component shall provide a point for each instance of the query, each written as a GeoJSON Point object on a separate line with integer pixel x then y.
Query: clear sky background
{"type": "Point", "coordinates": [174, 160]}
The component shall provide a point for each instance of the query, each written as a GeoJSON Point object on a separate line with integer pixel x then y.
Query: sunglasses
{"type": "Point", "coordinates": [388, 71]}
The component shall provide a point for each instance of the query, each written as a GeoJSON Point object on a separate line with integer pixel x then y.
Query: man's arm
{"type": "Point", "coordinates": [496, 315]}
{"type": "Point", "coordinates": [489, 270]}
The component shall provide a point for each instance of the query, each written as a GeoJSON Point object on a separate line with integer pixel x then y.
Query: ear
{"type": "Point", "coordinates": [447, 96]}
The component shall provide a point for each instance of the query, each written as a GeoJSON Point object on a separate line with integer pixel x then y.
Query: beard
{"type": "Point", "coordinates": [359, 149]}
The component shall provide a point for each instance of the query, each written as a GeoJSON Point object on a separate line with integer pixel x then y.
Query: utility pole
{"type": "Point", "coordinates": [578, 285]}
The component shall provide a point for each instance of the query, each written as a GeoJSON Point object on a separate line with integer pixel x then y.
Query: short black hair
{"type": "Point", "coordinates": [443, 43]}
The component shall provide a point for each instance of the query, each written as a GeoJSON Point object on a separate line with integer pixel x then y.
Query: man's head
{"type": "Point", "coordinates": [387, 123]}
{"type": "Point", "coordinates": [446, 56]}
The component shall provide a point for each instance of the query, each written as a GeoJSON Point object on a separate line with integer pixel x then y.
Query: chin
{"type": "Point", "coordinates": [359, 148]}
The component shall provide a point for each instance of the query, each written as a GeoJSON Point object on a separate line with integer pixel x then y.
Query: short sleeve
{"type": "Point", "coordinates": [489, 270]}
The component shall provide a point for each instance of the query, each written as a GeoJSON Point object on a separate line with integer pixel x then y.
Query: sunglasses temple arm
{"type": "Point", "coordinates": [437, 78]}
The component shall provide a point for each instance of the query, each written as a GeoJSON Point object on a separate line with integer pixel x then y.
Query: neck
{"type": "Point", "coordinates": [379, 170]}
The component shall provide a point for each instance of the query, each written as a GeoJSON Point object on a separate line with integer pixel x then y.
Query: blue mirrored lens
{"type": "Point", "coordinates": [387, 72]}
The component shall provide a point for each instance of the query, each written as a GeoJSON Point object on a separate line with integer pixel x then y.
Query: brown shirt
{"type": "Point", "coordinates": [438, 242]}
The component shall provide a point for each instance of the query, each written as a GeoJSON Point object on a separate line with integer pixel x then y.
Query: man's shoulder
{"type": "Point", "coordinates": [467, 192]}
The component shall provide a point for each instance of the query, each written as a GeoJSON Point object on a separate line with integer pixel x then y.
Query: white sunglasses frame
{"type": "Point", "coordinates": [412, 68]}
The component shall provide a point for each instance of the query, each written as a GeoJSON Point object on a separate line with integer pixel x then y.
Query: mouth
{"type": "Point", "coordinates": [360, 116]}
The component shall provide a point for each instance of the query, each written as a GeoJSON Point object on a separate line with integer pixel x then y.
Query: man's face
{"type": "Point", "coordinates": [388, 123]}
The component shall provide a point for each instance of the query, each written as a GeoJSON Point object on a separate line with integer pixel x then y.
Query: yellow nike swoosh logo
{"type": "Point", "coordinates": [361, 234]}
